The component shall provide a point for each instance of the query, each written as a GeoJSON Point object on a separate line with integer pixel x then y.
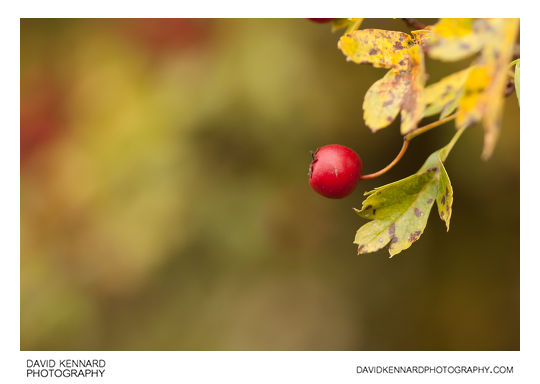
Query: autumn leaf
{"type": "Point", "coordinates": [399, 211]}
{"type": "Point", "coordinates": [482, 97]}
{"type": "Point", "coordinates": [471, 105]}
{"type": "Point", "coordinates": [452, 39]}
{"type": "Point", "coordinates": [401, 89]}
{"type": "Point", "coordinates": [382, 49]}
{"type": "Point", "coordinates": [443, 96]}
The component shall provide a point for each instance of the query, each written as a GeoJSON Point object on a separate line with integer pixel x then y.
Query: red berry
{"type": "Point", "coordinates": [335, 171]}
{"type": "Point", "coordinates": [321, 20]}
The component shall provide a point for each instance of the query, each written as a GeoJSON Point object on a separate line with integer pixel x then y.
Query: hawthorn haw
{"type": "Point", "coordinates": [335, 171]}
{"type": "Point", "coordinates": [321, 20]}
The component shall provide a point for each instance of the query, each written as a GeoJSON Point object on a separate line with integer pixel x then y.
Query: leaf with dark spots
{"type": "Point", "coordinates": [480, 94]}
{"type": "Point", "coordinates": [483, 96]}
{"type": "Point", "coordinates": [388, 103]}
{"type": "Point", "coordinates": [383, 101]}
{"type": "Point", "coordinates": [452, 39]}
{"type": "Point", "coordinates": [392, 229]}
{"type": "Point", "coordinates": [397, 92]}
{"type": "Point", "coordinates": [401, 89]}
{"type": "Point", "coordinates": [446, 197]}
{"type": "Point", "coordinates": [357, 47]}
{"type": "Point", "coordinates": [403, 207]}
{"type": "Point", "coordinates": [443, 96]}
{"type": "Point", "coordinates": [412, 107]}
{"type": "Point", "coordinates": [397, 45]}
{"type": "Point", "coordinates": [414, 236]}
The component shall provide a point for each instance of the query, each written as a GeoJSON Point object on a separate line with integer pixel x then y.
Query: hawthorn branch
{"type": "Point", "coordinates": [413, 23]}
{"type": "Point", "coordinates": [425, 128]}
{"type": "Point", "coordinates": [510, 87]}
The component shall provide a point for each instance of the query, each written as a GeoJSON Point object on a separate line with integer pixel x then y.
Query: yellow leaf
{"type": "Point", "coordinates": [472, 103]}
{"type": "Point", "coordinates": [452, 39]}
{"type": "Point", "coordinates": [483, 96]}
{"type": "Point", "coordinates": [401, 88]}
{"type": "Point", "coordinates": [442, 96]}
{"type": "Point", "coordinates": [383, 100]}
{"type": "Point", "coordinates": [412, 107]}
{"type": "Point", "coordinates": [497, 53]}
{"type": "Point", "coordinates": [382, 49]}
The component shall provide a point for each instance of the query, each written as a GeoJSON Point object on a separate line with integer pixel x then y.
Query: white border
{"type": "Point", "coordinates": [195, 367]}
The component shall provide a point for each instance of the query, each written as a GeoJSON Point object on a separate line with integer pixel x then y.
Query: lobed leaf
{"type": "Point", "coordinates": [399, 211]}
{"type": "Point", "coordinates": [401, 89]}
{"type": "Point", "coordinates": [383, 100]}
{"type": "Point", "coordinates": [483, 97]}
{"type": "Point", "coordinates": [380, 48]}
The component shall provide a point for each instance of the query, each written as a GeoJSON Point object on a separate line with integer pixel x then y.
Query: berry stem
{"type": "Point", "coordinates": [389, 166]}
{"type": "Point", "coordinates": [407, 138]}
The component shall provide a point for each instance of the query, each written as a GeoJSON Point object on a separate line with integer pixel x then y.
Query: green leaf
{"type": "Point", "coordinates": [399, 211]}
{"type": "Point", "coordinates": [516, 80]}
{"type": "Point", "coordinates": [445, 198]}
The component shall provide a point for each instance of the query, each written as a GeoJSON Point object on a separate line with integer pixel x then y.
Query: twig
{"type": "Point", "coordinates": [426, 128]}
{"type": "Point", "coordinates": [510, 87]}
{"type": "Point", "coordinates": [413, 23]}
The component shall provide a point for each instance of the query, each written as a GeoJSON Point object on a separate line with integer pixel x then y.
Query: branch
{"type": "Point", "coordinates": [413, 23]}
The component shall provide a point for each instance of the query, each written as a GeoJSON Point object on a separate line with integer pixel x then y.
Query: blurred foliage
{"type": "Point", "coordinates": [165, 201]}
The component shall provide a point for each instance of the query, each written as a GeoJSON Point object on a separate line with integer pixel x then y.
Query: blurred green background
{"type": "Point", "coordinates": [165, 202]}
